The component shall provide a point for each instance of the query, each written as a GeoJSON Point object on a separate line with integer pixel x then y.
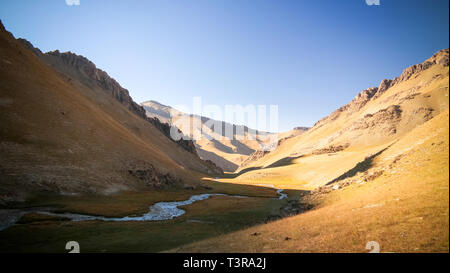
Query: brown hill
{"type": "Point", "coordinates": [69, 128]}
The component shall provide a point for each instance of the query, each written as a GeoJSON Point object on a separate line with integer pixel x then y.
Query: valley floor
{"type": "Point", "coordinates": [204, 219]}
{"type": "Point", "coordinates": [400, 200]}
{"type": "Point", "coordinates": [405, 209]}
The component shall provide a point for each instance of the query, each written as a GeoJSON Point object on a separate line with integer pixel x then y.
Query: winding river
{"type": "Point", "coordinates": [279, 191]}
{"type": "Point", "coordinates": [157, 212]}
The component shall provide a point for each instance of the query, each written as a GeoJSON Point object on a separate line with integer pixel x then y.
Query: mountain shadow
{"type": "Point", "coordinates": [362, 166]}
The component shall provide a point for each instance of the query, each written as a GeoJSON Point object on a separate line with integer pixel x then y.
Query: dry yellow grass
{"type": "Point", "coordinates": [397, 197]}
{"type": "Point", "coordinates": [361, 132]}
{"type": "Point", "coordinates": [405, 210]}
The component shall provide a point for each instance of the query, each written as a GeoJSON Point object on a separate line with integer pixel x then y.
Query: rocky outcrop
{"type": "Point", "coordinates": [299, 128]}
{"type": "Point", "coordinates": [213, 168]}
{"type": "Point", "coordinates": [331, 149]}
{"type": "Point", "coordinates": [361, 100]}
{"type": "Point", "coordinates": [385, 120]}
{"type": "Point", "coordinates": [384, 85]}
{"type": "Point", "coordinates": [291, 208]}
{"type": "Point", "coordinates": [79, 67]}
{"type": "Point", "coordinates": [187, 144]}
{"type": "Point", "coordinates": [152, 177]}
{"type": "Point", "coordinates": [440, 58]}
{"type": "Point", "coordinates": [354, 106]}
{"type": "Point", "coordinates": [89, 71]}
{"type": "Point", "coordinates": [29, 46]}
{"type": "Point", "coordinates": [253, 157]}
{"type": "Point", "coordinates": [424, 113]}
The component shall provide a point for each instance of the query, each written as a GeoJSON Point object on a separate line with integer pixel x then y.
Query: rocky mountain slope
{"type": "Point", "coordinates": [68, 128]}
{"type": "Point", "coordinates": [83, 70]}
{"type": "Point", "coordinates": [227, 153]}
{"type": "Point", "coordinates": [375, 170]}
{"type": "Point", "coordinates": [375, 119]}
{"type": "Point", "coordinates": [397, 199]}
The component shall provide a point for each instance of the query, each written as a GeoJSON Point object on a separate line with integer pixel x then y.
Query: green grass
{"type": "Point", "coordinates": [204, 219]}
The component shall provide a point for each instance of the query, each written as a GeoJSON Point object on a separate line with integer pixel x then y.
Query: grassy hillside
{"type": "Point", "coordinates": [377, 170]}
{"type": "Point", "coordinates": [375, 119]}
{"type": "Point", "coordinates": [404, 209]}
{"type": "Point", "coordinates": [59, 135]}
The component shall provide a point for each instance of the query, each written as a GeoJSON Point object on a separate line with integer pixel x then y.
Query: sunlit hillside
{"type": "Point", "coordinates": [399, 200]}
{"type": "Point", "coordinates": [374, 120]}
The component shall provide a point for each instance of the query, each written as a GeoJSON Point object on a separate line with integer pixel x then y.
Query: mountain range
{"type": "Point", "coordinates": [229, 153]}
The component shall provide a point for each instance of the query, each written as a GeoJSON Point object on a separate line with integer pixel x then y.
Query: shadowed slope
{"type": "Point", "coordinates": [60, 135]}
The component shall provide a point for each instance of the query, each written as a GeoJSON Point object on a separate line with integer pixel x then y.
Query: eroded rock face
{"type": "Point", "coordinates": [384, 85]}
{"type": "Point", "coordinates": [440, 58]}
{"type": "Point", "coordinates": [331, 149]}
{"type": "Point", "coordinates": [354, 106]}
{"type": "Point", "coordinates": [85, 71]}
{"type": "Point", "coordinates": [88, 71]}
{"type": "Point", "coordinates": [186, 144]}
{"type": "Point", "coordinates": [361, 99]}
{"type": "Point", "coordinates": [213, 168]}
{"type": "Point", "coordinates": [154, 178]}
{"type": "Point", "coordinates": [254, 156]}
{"type": "Point", "coordinates": [385, 120]}
{"type": "Point", "coordinates": [425, 113]}
{"type": "Point", "coordinates": [29, 46]}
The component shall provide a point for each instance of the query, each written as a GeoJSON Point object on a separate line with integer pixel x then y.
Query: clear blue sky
{"type": "Point", "coordinates": [309, 57]}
